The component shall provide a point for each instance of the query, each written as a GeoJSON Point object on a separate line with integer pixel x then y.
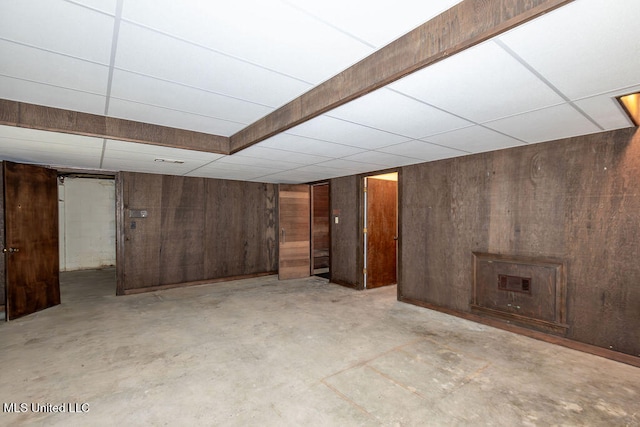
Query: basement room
{"type": "Point", "coordinates": [322, 213]}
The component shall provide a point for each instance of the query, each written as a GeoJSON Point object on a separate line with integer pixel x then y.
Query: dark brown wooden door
{"type": "Point", "coordinates": [31, 239]}
{"type": "Point", "coordinates": [295, 229]}
{"type": "Point", "coordinates": [382, 212]}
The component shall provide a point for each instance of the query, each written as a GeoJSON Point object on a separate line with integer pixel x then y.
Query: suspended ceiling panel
{"type": "Point", "coordinates": [217, 67]}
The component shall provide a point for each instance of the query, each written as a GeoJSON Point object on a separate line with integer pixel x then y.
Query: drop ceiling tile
{"type": "Point", "coordinates": [50, 96]}
{"type": "Point", "coordinates": [289, 177]}
{"type": "Point", "coordinates": [27, 134]}
{"type": "Point", "coordinates": [52, 69]}
{"type": "Point", "coordinates": [299, 144]}
{"type": "Point", "coordinates": [303, 175]}
{"type": "Point", "coordinates": [178, 61]}
{"type": "Point", "coordinates": [349, 166]}
{"type": "Point", "coordinates": [343, 132]}
{"type": "Point", "coordinates": [474, 139]}
{"type": "Point", "coordinates": [221, 170]}
{"type": "Point", "coordinates": [146, 90]}
{"type": "Point", "coordinates": [393, 112]}
{"type": "Point", "coordinates": [39, 147]}
{"type": "Point", "coordinates": [584, 48]}
{"type": "Point", "coordinates": [106, 6]}
{"type": "Point", "coordinates": [273, 35]}
{"type": "Point", "coordinates": [606, 110]}
{"type": "Point", "coordinates": [422, 150]}
{"type": "Point", "coordinates": [386, 21]}
{"type": "Point", "coordinates": [58, 26]}
{"type": "Point", "coordinates": [166, 117]}
{"type": "Point", "coordinates": [480, 84]}
{"type": "Point", "coordinates": [131, 150]}
{"type": "Point", "coordinates": [383, 159]}
{"type": "Point", "coordinates": [260, 151]}
{"type": "Point", "coordinates": [549, 124]}
{"type": "Point", "coordinates": [241, 160]}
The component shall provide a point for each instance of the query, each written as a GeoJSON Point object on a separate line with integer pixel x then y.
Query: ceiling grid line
{"type": "Point", "coordinates": [114, 50]}
{"type": "Point", "coordinates": [542, 78]}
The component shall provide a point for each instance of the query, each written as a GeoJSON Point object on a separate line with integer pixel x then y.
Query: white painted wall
{"type": "Point", "coordinates": [87, 223]}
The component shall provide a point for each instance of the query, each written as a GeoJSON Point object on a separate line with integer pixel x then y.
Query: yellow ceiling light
{"type": "Point", "coordinates": [631, 105]}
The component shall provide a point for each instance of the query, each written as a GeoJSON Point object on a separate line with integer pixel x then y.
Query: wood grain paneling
{"type": "Point", "coordinates": [294, 216]}
{"type": "Point", "coordinates": [196, 230]}
{"type": "Point", "coordinates": [346, 242]}
{"type": "Point", "coordinates": [240, 228]}
{"type": "Point", "coordinates": [574, 200]}
{"type": "Point", "coordinates": [320, 239]}
{"type": "Point", "coordinates": [182, 225]}
{"type": "Point", "coordinates": [39, 117]}
{"type": "Point", "coordinates": [464, 25]}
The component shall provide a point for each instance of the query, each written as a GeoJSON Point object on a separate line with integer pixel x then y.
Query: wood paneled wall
{"type": "Point", "coordinates": [321, 241]}
{"type": "Point", "coordinates": [575, 199]}
{"type": "Point", "coordinates": [346, 252]}
{"type": "Point", "coordinates": [195, 230]}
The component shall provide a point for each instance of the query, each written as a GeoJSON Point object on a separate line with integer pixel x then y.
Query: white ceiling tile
{"type": "Point", "coordinates": [606, 110]}
{"type": "Point", "coordinates": [480, 84]}
{"type": "Point", "coordinates": [259, 162]}
{"type": "Point", "coordinates": [343, 132]}
{"type": "Point", "coordinates": [552, 123]}
{"type": "Point", "coordinates": [382, 159]}
{"type": "Point", "coordinates": [385, 21]}
{"type": "Point", "coordinates": [60, 70]}
{"type": "Point", "coordinates": [392, 112]}
{"type": "Point", "coordinates": [219, 169]}
{"type": "Point", "coordinates": [50, 96]}
{"type": "Point", "coordinates": [289, 40]}
{"type": "Point", "coordinates": [106, 6]}
{"type": "Point", "coordinates": [290, 177]}
{"type": "Point", "coordinates": [474, 139]}
{"type": "Point", "coordinates": [185, 63]}
{"type": "Point", "coordinates": [288, 142]}
{"type": "Point", "coordinates": [166, 117]}
{"type": "Point", "coordinates": [261, 151]}
{"type": "Point", "coordinates": [584, 48]}
{"type": "Point", "coordinates": [39, 147]}
{"type": "Point", "coordinates": [59, 26]}
{"type": "Point", "coordinates": [137, 88]}
{"type": "Point", "coordinates": [422, 150]}
{"type": "Point", "coordinates": [349, 166]}
{"type": "Point", "coordinates": [124, 150]}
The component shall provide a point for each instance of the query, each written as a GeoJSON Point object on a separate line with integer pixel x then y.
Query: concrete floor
{"type": "Point", "coordinates": [298, 352]}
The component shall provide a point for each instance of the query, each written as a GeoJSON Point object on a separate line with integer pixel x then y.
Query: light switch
{"type": "Point", "coordinates": [337, 220]}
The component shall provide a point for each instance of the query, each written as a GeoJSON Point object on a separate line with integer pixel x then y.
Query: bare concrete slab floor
{"type": "Point", "coordinates": [299, 352]}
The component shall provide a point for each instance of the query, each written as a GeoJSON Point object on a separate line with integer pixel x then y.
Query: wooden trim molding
{"type": "Point", "coordinates": [133, 291]}
{"type": "Point", "coordinates": [467, 24]}
{"type": "Point", "coordinates": [541, 336]}
{"type": "Point", "coordinates": [21, 114]}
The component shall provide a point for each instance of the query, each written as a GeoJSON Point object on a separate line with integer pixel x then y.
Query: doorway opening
{"type": "Point", "coordinates": [320, 235]}
{"type": "Point", "coordinates": [87, 228]}
{"type": "Point", "coordinates": [380, 230]}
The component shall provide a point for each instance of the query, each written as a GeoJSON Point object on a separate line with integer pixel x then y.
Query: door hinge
{"type": "Point", "coordinates": [364, 230]}
{"type": "Point", "coordinates": [364, 271]}
{"type": "Point", "coordinates": [365, 189]}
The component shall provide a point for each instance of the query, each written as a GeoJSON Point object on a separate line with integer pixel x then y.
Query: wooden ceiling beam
{"type": "Point", "coordinates": [464, 25]}
{"type": "Point", "coordinates": [20, 114]}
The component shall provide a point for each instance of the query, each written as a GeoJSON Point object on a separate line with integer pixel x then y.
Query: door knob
{"type": "Point", "coordinates": [10, 250]}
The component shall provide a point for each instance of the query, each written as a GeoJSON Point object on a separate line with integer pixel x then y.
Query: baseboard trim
{"type": "Point", "coordinates": [553, 339]}
{"type": "Point", "coordinates": [195, 283]}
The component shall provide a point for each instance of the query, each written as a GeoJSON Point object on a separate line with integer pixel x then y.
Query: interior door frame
{"type": "Point", "coordinates": [362, 225]}
{"type": "Point", "coordinates": [311, 231]}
